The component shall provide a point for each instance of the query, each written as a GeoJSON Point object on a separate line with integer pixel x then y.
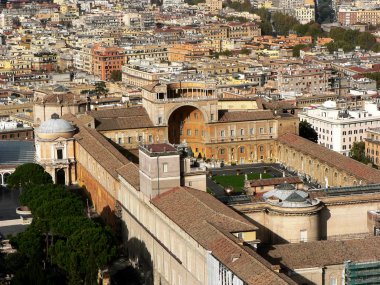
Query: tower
{"type": "Point", "coordinates": [159, 169]}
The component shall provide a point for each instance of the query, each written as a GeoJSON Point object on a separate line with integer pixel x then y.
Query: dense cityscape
{"type": "Point", "coordinates": [189, 142]}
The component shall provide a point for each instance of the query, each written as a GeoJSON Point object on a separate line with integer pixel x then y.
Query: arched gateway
{"type": "Point", "coordinates": [187, 124]}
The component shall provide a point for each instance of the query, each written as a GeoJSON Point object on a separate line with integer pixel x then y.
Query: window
{"type": "Point", "coordinates": [333, 280]}
{"type": "Point", "coordinates": [159, 120]}
{"type": "Point", "coordinates": [196, 132]}
{"type": "Point", "coordinates": [119, 141]}
{"type": "Point", "coordinates": [261, 130]}
{"type": "Point", "coordinates": [196, 116]}
{"type": "Point", "coordinates": [222, 133]}
{"type": "Point", "coordinates": [212, 117]}
{"type": "Point", "coordinates": [165, 167]}
{"type": "Point", "coordinates": [59, 153]}
{"type": "Point", "coordinates": [242, 132]}
{"type": "Point", "coordinates": [129, 139]}
{"type": "Point", "coordinates": [222, 151]}
{"type": "Point", "coordinates": [271, 130]}
{"type": "Point", "coordinates": [232, 133]}
{"type": "Point", "coordinates": [242, 149]}
{"type": "Point", "coordinates": [303, 236]}
{"type": "Point", "coordinates": [140, 138]}
{"type": "Point", "coordinates": [150, 138]}
{"type": "Point", "coordinates": [188, 132]}
{"type": "Point", "coordinates": [251, 131]}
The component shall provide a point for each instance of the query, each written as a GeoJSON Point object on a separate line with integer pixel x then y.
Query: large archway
{"type": "Point", "coordinates": [60, 176]}
{"type": "Point", "coordinates": [187, 124]}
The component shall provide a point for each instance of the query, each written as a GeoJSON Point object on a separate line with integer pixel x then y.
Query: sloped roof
{"type": "Point", "coordinates": [239, 116]}
{"type": "Point", "coordinates": [16, 152]}
{"type": "Point", "coordinates": [323, 253]}
{"type": "Point", "coordinates": [210, 223]}
{"type": "Point", "coordinates": [121, 119]}
{"type": "Point", "coordinates": [332, 158]}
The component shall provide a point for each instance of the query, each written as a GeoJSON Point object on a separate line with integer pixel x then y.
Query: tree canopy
{"type": "Point", "coordinates": [307, 131]}
{"type": "Point", "coordinates": [28, 175]}
{"type": "Point", "coordinates": [349, 39]}
{"type": "Point", "coordinates": [62, 245]}
{"type": "Point", "coordinates": [357, 152]}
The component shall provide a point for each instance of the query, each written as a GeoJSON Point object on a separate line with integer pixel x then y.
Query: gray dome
{"type": "Point", "coordinates": [53, 126]}
{"type": "Point", "coordinates": [289, 198]}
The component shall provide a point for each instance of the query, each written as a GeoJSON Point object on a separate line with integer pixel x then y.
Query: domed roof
{"type": "Point", "coordinates": [285, 186]}
{"type": "Point", "coordinates": [289, 198]}
{"type": "Point", "coordinates": [55, 125]}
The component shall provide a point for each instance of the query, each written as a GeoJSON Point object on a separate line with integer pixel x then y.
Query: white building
{"type": "Point", "coordinates": [305, 14]}
{"type": "Point", "coordinates": [338, 129]}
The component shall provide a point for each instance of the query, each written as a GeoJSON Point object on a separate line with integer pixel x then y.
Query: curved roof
{"type": "Point", "coordinates": [55, 125]}
{"type": "Point", "coordinates": [287, 196]}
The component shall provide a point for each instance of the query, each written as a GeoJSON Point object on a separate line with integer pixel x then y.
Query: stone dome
{"type": "Point", "coordinates": [55, 127]}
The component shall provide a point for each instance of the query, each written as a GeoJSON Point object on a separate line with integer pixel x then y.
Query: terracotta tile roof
{"type": "Point", "coordinates": [130, 172]}
{"type": "Point", "coordinates": [322, 253]}
{"type": "Point", "coordinates": [160, 147]}
{"type": "Point", "coordinates": [98, 147]}
{"type": "Point", "coordinates": [210, 223]}
{"type": "Point", "coordinates": [332, 158]}
{"type": "Point", "coordinates": [66, 98]}
{"type": "Point", "coordinates": [118, 112]}
{"type": "Point", "coordinates": [121, 119]}
{"type": "Point", "coordinates": [275, 181]}
{"type": "Point", "coordinates": [239, 116]}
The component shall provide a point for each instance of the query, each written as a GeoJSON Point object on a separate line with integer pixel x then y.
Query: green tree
{"type": "Point", "coordinates": [101, 88]}
{"type": "Point", "coordinates": [245, 51]}
{"type": "Point", "coordinates": [357, 152]}
{"type": "Point", "coordinates": [307, 131]}
{"type": "Point", "coordinates": [28, 175]}
{"type": "Point", "coordinates": [283, 23]}
{"type": "Point", "coordinates": [266, 28]}
{"type": "Point", "coordinates": [116, 75]}
{"type": "Point", "coordinates": [366, 40]}
{"type": "Point", "coordinates": [297, 49]}
{"type": "Point", "coordinates": [325, 12]}
{"type": "Point", "coordinates": [375, 76]}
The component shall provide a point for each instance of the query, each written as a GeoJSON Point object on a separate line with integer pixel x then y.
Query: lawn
{"type": "Point", "coordinates": [237, 181]}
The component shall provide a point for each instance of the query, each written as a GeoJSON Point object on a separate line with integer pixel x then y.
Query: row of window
{"type": "Point", "coordinates": [242, 132]}
{"type": "Point", "coordinates": [241, 149]}
{"type": "Point", "coordinates": [139, 139]}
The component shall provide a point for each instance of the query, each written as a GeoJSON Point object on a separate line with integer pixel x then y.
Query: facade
{"type": "Point", "coordinates": [47, 103]}
{"type": "Point", "coordinates": [372, 144]}
{"type": "Point", "coordinates": [107, 60]}
{"type": "Point", "coordinates": [215, 5]}
{"type": "Point", "coordinates": [193, 114]}
{"type": "Point", "coordinates": [337, 128]}
{"type": "Point", "coordinates": [305, 14]}
{"type": "Point", "coordinates": [55, 149]}
{"type": "Point", "coordinates": [352, 16]}
{"type": "Point", "coordinates": [322, 165]}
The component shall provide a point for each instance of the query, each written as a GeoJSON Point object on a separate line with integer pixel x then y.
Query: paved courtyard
{"type": "Point", "coordinates": [9, 220]}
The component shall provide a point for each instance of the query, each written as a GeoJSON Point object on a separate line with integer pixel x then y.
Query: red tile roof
{"type": "Point", "coordinates": [210, 223]}
{"type": "Point", "coordinates": [332, 158]}
{"type": "Point", "coordinates": [323, 253]}
{"type": "Point", "coordinates": [239, 116]}
{"type": "Point", "coordinates": [121, 119]}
